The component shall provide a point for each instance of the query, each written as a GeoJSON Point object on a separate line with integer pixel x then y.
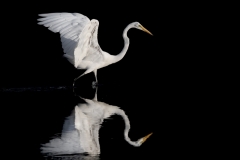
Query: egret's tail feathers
{"type": "Point", "coordinates": [69, 58]}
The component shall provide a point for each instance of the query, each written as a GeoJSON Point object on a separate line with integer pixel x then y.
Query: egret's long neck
{"type": "Point", "coordinates": [126, 45]}
{"type": "Point", "coordinates": [127, 127]}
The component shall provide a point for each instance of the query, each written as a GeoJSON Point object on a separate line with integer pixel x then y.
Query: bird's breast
{"type": "Point", "coordinates": [85, 65]}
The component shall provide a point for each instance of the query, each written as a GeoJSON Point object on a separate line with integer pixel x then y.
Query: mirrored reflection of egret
{"type": "Point", "coordinates": [80, 133]}
{"type": "Point", "coordinates": [79, 40]}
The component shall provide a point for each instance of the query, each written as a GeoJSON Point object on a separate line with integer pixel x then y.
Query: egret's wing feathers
{"type": "Point", "coordinates": [78, 35]}
{"type": "Point", "coordinates": [88, 44]}
{"type": "Point", "coordinates": [69, 142]}
{"type": "Point", "coordinates": [94, 53]}
{"type": "Point", "coordinates": [70, 27]}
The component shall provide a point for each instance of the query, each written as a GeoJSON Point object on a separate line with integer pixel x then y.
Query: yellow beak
{"type": "Point", "coordinates": [145, 30]}
{"type": "Point", "coordinates": [146, 137]}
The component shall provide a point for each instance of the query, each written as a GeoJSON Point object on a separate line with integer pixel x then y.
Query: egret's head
{"type": "Point", "coordinates": [139, 26]}
{"type": "Point", "coordinates": [142, 140]}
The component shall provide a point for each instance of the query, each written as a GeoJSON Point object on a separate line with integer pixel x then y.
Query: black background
{"type": "Point", "coordinates": [32, 55]}
{"type": "Point", "coordinates": [158, 83]}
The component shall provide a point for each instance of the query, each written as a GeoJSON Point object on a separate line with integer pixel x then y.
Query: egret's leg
{"type": "Point", "coordinates": [81, 97]}
{"type": "Point", "coordinates": [77, 78]}
{"type": "Point", "coordinates": [94, 84]}
{"type": "Point", "coordinates": [95, 97]}
{"type": "Point", "coordinates": [87, 71]}
{"type": "Point", "coordinates": [95, 73]}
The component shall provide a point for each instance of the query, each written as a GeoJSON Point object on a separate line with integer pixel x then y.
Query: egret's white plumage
{"type": "Point", "coordinates": [79, 40]}
{"type": "Point", "coordinates": [80, 132]}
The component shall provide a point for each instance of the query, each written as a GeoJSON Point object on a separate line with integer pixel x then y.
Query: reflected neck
{"type": "Point", "coordinates": [127, 128]}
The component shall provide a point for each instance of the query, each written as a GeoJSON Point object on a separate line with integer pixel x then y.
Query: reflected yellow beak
{"type": "Point", "coordinates": [146, 137]}
{"type": "Point", "coordinates": [145, 30]}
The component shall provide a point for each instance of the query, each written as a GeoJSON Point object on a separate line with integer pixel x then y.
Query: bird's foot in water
{"type": "Point", "coordinates": [74, 83]}
{"type": "Point", "coordinates": [94, 85]}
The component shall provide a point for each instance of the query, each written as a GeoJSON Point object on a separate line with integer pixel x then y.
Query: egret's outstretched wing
{"type": "Point", "coordinates": [88, 44]}
{"type": "Point", "coordinates": [78, 34]}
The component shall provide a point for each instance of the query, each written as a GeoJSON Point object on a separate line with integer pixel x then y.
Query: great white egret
{"type": "Point", "coordinates": [79, 40]}
{"type": "Point", "coordinates": [81, 129]}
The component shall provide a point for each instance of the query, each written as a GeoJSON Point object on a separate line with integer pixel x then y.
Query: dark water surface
{"type": "Point", "coordinates": [35, 115]}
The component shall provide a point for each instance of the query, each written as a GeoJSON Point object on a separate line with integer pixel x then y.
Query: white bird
{"type": "Point", "coordinates": [80, 132]}
{"type": "Point", "coordinates": [79, 40]}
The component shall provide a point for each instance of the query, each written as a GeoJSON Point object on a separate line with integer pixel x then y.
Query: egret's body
{"type": "Point", "coordinates": [79, 40]}
{"type": "Point", "coordinates": [80, 132]}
